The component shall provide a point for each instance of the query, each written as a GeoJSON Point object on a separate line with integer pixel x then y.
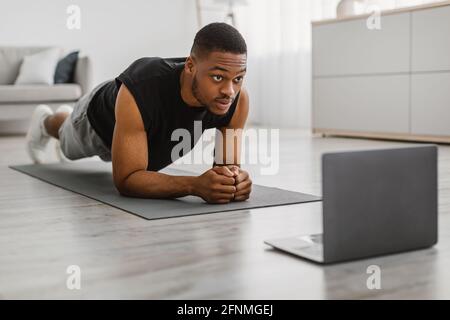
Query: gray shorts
{"type": "Point", "coordinates": [76, 135]}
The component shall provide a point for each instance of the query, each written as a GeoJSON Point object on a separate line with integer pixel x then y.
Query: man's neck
{"type": "Point", "coordinates": [186, 91]}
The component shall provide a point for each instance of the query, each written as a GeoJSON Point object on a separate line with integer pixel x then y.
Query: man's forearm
{"type": "Point", "coordinates": [149, 184]}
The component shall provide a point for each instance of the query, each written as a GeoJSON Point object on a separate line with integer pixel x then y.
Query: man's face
{"type": "Point", "coordinates": [217, 79]}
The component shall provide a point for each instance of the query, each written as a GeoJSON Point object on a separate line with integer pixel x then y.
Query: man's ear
{"type": "Point", "coordinates": [190, 64]}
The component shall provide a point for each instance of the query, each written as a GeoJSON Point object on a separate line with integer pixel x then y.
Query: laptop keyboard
{"type": "Point", "coordinates": [314, 239]}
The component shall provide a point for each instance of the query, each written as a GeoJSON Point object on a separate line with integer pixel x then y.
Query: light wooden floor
{"type": "Point", "coordinates": [44, 229]}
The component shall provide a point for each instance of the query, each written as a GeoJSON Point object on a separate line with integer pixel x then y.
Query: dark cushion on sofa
{"type": "Point", "coordinates": [65, 69]}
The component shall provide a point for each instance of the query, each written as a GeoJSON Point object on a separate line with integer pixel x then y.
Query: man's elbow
{"type": "Point", "coordinates": [122, 185]}
{"type": "Point", "coordinates": [122, 188]}
{"type": "Point", "coordinates": [127, 185]}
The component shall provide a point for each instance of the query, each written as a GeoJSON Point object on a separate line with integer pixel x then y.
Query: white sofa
{"type": "Point", "coordinates": [18, 101]}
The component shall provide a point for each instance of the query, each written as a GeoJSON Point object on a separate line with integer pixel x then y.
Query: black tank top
{"type": "Point", "coordinates": [155, 86]}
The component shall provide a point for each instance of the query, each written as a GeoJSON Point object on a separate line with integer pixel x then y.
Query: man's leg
{"type": "Point", "coordinates": [53, 122]}
{"type": "Point", "coordinates": [76, 137]}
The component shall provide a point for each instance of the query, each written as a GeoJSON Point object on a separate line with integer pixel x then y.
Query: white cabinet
{"type": "Point", "coordinates": [388, 83]}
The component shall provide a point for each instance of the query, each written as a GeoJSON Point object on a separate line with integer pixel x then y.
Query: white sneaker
{"type": "Point", "coordinates": [59, 154]}
{"type": "Point", "coordinates": [37, 137]}
{"type": "Point", "coordinates": [64, 108]}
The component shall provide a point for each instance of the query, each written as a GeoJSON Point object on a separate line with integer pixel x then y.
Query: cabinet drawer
{"type": "Point", "coordinates": [430, 104]}
{"type": "Point", "coordinates": [431, 39]}
{"type": "Point", "coordinates": [370, 104]}
{"type": "Point", "coordinates": [349, 47]}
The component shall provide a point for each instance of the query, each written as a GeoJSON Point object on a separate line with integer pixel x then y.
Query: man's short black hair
{"type": "Point", "coordinates": [218, 36]}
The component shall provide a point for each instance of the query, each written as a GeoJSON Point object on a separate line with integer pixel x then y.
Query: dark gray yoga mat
{"type": "Point", "coordinates": [94, 180]}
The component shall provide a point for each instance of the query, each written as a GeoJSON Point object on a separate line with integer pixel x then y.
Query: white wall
{"type": "Point", "coordinates": [113, 33]}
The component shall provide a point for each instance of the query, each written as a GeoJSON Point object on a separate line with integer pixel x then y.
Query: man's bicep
{"type": "Point", "coordinates": [129, 145]}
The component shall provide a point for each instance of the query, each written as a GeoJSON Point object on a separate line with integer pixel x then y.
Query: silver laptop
{"type": "Point", "coordinates": [374, 203]}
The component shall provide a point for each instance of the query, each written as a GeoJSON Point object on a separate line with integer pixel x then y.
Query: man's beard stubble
{"type": "Point", "coordinates": [195, 92]}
